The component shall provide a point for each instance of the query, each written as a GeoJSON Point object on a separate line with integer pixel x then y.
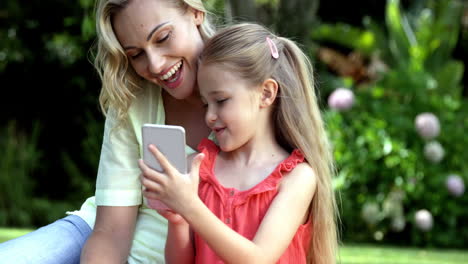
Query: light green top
{"type": "Point", "coordinates": [118, 182]}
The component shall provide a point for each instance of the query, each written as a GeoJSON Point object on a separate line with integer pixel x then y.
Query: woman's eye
{"type": "Point", "coordinates": [164, 38]}
{"type": "Point", "coordinates": [221, 101]}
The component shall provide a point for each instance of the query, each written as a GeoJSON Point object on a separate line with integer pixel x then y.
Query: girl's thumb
{"type": "Point", "coordinates": [196, 162]}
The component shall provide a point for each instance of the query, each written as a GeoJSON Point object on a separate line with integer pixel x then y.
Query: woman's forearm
{"type": "Point", "coordinates": [112, 236]}
{"type": "Point", "coordinates": [103, 247]}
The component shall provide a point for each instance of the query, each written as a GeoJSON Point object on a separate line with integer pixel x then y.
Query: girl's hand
{"type": "Point", "coordinates": [172, 217]}
{"type": "Point", "coordinates": [174, 189]}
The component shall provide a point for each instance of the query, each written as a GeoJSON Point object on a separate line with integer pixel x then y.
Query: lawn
{"type": "Point", "coordinates": [10, 233]}
{"type": "Point", "coordinates": [372, 254]}
{"type": "Point", "coordinates": [356, 254]}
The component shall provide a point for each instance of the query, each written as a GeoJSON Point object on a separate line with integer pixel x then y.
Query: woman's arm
{"type": "Point", "coordinates": [112, 235]}
{"type": "Point", "coordinates": [287, 212]}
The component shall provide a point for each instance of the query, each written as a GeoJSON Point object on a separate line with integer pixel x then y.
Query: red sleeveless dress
{"type": "Point", "coordinates": [243, 211]}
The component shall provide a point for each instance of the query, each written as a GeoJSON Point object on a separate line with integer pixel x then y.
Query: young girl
{"type": "Point", "coordinates": [265, 192]}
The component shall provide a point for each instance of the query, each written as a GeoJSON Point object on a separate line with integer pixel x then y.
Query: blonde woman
{"type": "Point", "coordinates": [265, 189]}
{"type": "Point", "coordinates": [147, 54]}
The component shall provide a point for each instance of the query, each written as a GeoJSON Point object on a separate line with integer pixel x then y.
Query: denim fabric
{"type": "Point", "coordinates": [57, 243]}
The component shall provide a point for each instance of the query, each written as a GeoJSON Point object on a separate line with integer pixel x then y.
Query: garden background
{"type": "Point", "coordinates": [392, 83]}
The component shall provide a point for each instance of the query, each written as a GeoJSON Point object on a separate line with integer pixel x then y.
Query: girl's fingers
{"type": "Point", "coordinates": [150, 185]}
{"type": "Point", "coordinates": [150, 173]}
{"type": "Point", "coordinates": [196, 162]}
{"type": "Point", "coordinates": [151, 195]}
{"type": "Point", "coordinates": [165, 164]}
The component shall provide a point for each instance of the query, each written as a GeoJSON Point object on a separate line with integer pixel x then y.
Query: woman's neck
{"type": "Point", "coordinates": [192, 102]}
{"type": "Point", "coordinates": [188, 113]}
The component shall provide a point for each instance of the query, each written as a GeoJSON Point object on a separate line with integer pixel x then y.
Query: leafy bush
{"type": "Point", "coordinates": [20, 160]}
{"type": "Point", "coordinates": [20, 206]}
{"type": "Point", "coordinates": [392, 177]}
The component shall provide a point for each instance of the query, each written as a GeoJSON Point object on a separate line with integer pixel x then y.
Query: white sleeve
{"type": "Point", "coordinates": [118, 182]}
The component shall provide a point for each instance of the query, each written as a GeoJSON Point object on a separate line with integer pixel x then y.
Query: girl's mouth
{"type": "Point", "coordinates": [219, 130]}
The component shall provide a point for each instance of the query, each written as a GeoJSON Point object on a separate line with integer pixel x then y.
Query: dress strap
{"type": "Point", "coordinates": [210, 149]}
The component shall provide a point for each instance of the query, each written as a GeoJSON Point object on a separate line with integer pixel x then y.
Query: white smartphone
{"type": "Point", "coordinates": [170, 140]}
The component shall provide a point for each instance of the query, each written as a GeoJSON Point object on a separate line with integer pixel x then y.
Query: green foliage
{"type": "Point", "coordinates": [20, 161]}
{"type": "Point", "coordinates": [82, 172]}
{"type": "Point", "coordinates": [19, 204]}
{"type": "Point", "coordinates": [384, 176]}
{"type": "Point", "coordinates": [48, 51]}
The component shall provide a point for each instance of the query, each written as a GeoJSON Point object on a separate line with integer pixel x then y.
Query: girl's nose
{"type": "Point", "coordinates": [210, 116]}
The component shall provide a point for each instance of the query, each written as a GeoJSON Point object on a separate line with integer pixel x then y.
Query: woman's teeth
{"type": "Point", "coordinates": [171, 72]}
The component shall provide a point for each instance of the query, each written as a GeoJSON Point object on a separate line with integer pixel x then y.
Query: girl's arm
{"type": "Point", "coordinates": [179, 246]}
{"type": "Point", "coordinates": [287, 212]}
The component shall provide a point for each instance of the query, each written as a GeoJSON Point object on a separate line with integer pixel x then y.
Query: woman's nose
{"type": "Point", "coordinates": [156, 62]}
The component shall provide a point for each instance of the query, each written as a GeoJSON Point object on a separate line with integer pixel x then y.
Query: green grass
{"type": "Point", "coordinates": [354, 253]}
{"type": "Point", "coordinates": [10, 233]}
{"type": "Point", "coordinates": [372, 254]}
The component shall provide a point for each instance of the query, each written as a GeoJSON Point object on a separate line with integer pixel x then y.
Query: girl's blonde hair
{"type": "Point", "coordinates": [243, 49]}
{"type": "Point", "coordinates": [119, 81]}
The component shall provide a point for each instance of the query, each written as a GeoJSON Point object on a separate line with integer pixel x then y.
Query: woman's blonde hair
{"type": "Point", "coordinates": [243, 49]}
{"type": "Point", "coordinates": [119, 81]}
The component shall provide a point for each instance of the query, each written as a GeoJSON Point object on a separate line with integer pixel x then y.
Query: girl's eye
{"type": "Point", "coordinates": [205, 105]}
{"type": "Point", "coordinates": [164, 38]}
{"type": "Point", "coordinates": [135, 56]}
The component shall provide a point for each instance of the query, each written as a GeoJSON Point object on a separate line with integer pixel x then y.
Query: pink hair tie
{"type": "Point", "coordinates": [273, 48]}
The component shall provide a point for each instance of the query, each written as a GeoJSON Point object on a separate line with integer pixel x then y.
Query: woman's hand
{"type": "Point", "coordinates": [171, 187]}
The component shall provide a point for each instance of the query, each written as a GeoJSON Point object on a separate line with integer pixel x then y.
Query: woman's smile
{"type": "Point", "coordinates": [172, 77]}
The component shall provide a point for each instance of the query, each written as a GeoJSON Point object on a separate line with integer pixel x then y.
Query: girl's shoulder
{"type": "Point", "coordinates": [301, 176]}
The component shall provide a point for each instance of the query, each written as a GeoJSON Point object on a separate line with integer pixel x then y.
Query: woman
{"type": "Point", "coordinates": [147, 60]}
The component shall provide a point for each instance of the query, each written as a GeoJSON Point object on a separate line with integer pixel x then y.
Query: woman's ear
{"type": "Point", "coordinates": [198, 16]}
{"type": "Point", "coordinates": [269, 90]}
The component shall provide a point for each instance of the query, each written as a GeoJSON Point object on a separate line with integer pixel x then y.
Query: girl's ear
{"type": "Point", "coordinates": [198, 16]}
{"type": "Point", "coordinates": [269, 92]}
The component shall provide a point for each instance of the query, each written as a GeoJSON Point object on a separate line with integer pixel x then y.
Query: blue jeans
{"type": "Point", "coordinates": [57, 243]}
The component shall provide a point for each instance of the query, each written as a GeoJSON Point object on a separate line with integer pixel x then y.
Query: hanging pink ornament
{"type": "Point", "coordinates": [341, 99]}
{"type": "Point", "coordinates": [455, 185]}
{"type": "Point", "coordinates": [423, 220]}
{"type": "Point", "coordinates": [427, 125]}
{"type": "Point", "coordinates": [434, 152]}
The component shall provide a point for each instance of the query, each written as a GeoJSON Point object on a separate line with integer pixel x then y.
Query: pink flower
{"type": "Point", "coordinates": [423, 220]}
{"type": "Point", "coordinates": [341, 99]}
{"type": "Point", "coordinates": [455, 185]}
{"type": "Point", "coordinates": [434, 152]}
{"type": "Point", "coordinates": [427, 125]}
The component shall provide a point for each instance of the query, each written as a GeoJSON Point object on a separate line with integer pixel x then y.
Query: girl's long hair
{"type": "Point", "coordinates": [119, 81]}
{"type": "Point", "coordinates": [298, 123]}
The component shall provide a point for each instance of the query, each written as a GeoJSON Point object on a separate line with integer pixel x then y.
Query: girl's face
{"type": "Point", "coordinates": [162, 43]}
{"type": "Point", "coordinates": [233, 106]}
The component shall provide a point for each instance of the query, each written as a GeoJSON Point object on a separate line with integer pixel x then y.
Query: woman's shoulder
{"type": "Point", "coordinates": [147, 106]}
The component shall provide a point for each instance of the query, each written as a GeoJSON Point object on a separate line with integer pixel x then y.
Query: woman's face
{"type": "Point", "coordinates": [162, 43]}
